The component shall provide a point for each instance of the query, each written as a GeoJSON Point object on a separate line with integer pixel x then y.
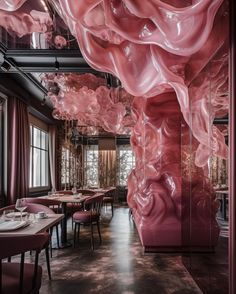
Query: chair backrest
{"type": "Point", "coordinates": [66, 192]}
{"type": "Point", "coordinates": [35, 208]}
{"type": "Point", "coordinates": [51, 203]}
{"type": "Point", "coordinates": [87, 192]}
{"type": "Point", "coordinates": [94, 203]}
{"type": "Point", "coordinates": [13, 245]}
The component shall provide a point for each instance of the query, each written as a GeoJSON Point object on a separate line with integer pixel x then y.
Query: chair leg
{"type": "Point", "coordinates": [78, 232]}
{"type": "Point", "coordinates": [48, 263]}
{"type": "Point", "coordinates": [92, 239]}
{"type": "Point", "coordinates": [75, 233]}
{"type": "Point", "coordinates": [57, 232]}
{"type": "Point", "coordinates": [51, 231]}
{"type": "Point", "coordinates": [99, 233]}
{"type": "Point", "coordinates": [112, 208]}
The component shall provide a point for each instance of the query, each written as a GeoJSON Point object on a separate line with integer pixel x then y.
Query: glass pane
{"type": "Point", "coordinates": [44, 168]}
{"type": "Point", "coordinates": [36, 167]}
{"type": "Point", "coordinates": [36, 137]}
{"type": "Point", "coordinates": [126, 163]}
{"type": "Point", "coordinates": [31, 163]}
{"type": "Point", "coordinates": [91, 165]}
{"type": "Point", "coordinates": [43, 140]}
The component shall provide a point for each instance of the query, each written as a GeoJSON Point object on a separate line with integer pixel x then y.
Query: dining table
{"type": "Point", "coordinates": [31, 227]}
{"type": "Point", "coordinates": [64, 199]}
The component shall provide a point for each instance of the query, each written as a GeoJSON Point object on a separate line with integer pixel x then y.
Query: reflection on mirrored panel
{"type": "Point", "coordinates": [35, 25]}
{"type": "Point", "coordinates": [206, 188]}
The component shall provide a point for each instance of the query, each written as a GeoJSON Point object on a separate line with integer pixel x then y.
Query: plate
{"type": "Point", "coordinates": [12, 225]}
{"type": "Point", "coordinates": [16, 214]}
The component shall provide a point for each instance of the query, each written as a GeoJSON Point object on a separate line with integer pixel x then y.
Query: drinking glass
{"type": "Point", "coordinates": [9, 215]}
{"type": "Point", "coordinates": [50, 194]}
{"type": "Point", "coordinates": [74, 190]}
{"type": "Point", "coordinates": [53, 190]}
{"type": "Point", "coordinates": [21, 206]}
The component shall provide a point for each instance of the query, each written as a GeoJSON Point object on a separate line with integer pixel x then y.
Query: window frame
{"type": "Point", "coordinates": [46, 150]}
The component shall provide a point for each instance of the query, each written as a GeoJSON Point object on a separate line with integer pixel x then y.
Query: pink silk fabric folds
{"type": "Point", "coordinates": [172, 57]}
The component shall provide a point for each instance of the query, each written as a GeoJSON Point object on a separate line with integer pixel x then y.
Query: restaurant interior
{"type": "Point", "coordinates": [117, 147]}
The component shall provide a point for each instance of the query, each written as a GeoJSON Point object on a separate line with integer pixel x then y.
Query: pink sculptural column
{"type": "Point", "coordinates": [172, 204]}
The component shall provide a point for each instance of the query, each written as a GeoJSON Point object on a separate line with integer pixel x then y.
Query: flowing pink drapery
{"type": "Point", "coordinates": [18, 150]}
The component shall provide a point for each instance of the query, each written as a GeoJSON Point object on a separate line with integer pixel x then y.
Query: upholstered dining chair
{"type": "Point", "coordinates": [71, 207]}
{"type": "Point", "coordinates": [89, 217]}
{"type": "Point", "coordinates": [35, 208]}
{"type": "Point", "coordinates": [21, 277]}
{"type": "Point", "coordinates": [65, 192]}
{"type": "Point", "coordinates": [86, 192]}
{"type": "Point", "coordinates": [108, 199]}
{"type": "Point", "coordinates": [53, 204]}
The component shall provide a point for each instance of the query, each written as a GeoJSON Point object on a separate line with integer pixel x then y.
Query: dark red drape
{"type": "Point", "coordinates": [18, 150]}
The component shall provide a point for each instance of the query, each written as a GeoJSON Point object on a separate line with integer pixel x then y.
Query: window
{"type": "Point", "coordinates": [65, 166]}
{"type": "Point", "coordinates": [126, 162]}
{"type": "Point", "coordinates": [70, 166]}
{"type": "Point", "coordinates": [91, 166]}
{"type": "Point", "coordinates": [38, 157]}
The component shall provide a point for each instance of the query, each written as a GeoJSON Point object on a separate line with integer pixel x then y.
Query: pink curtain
{"type": "Point", "coordinates": [107, 168]}
{"type": "Point", "coordinates": [52, 155]}
{"type": "Point", "coordinates": [18, 150]}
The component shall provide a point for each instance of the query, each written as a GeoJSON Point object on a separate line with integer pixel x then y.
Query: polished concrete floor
{"type": "Point", "coordinates": [117, 266]}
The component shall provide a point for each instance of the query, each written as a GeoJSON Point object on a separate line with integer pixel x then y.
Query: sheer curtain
{"type": "Point", "coordinates": [107, 168]}
{"type": "Point", "coordinates": [52, 155]}
{"type": "Point", "coordinates": [18, 150]}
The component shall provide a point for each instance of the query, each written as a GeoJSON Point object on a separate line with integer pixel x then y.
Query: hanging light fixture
{"type": "Point", "coordinates": [57, 65]}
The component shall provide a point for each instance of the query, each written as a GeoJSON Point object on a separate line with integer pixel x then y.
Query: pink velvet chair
{"type": "Point", "coordinates": [53, 204]}
{"type": "Point", "coordinates": [89, 217]}
{"type": "Point", "coordinates": [65, 192]}
{"type": "Point", "coordinates": [35, 208]}
{"type": "Point", "coordinates": [21, 277]}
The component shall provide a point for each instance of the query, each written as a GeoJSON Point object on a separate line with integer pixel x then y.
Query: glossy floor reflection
{"type": "Point", "coordinates": [210, 270]}
{"type": "Point", "coordinates": [117, 266]}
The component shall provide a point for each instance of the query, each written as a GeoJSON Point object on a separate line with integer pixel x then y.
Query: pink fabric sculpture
{"type": "Point", "coordinates": [87, 99]}
{"type": "Point", "coordinates": [172, 56]}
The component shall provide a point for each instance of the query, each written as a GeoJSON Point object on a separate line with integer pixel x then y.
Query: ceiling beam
{"type": "Point", "coordinates": [47, 61]}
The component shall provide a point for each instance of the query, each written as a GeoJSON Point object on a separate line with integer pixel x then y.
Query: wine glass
{"type": "Point", "coordinates": [21, 206]}
{"type": "Point", "coordinates": [53, 190]}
